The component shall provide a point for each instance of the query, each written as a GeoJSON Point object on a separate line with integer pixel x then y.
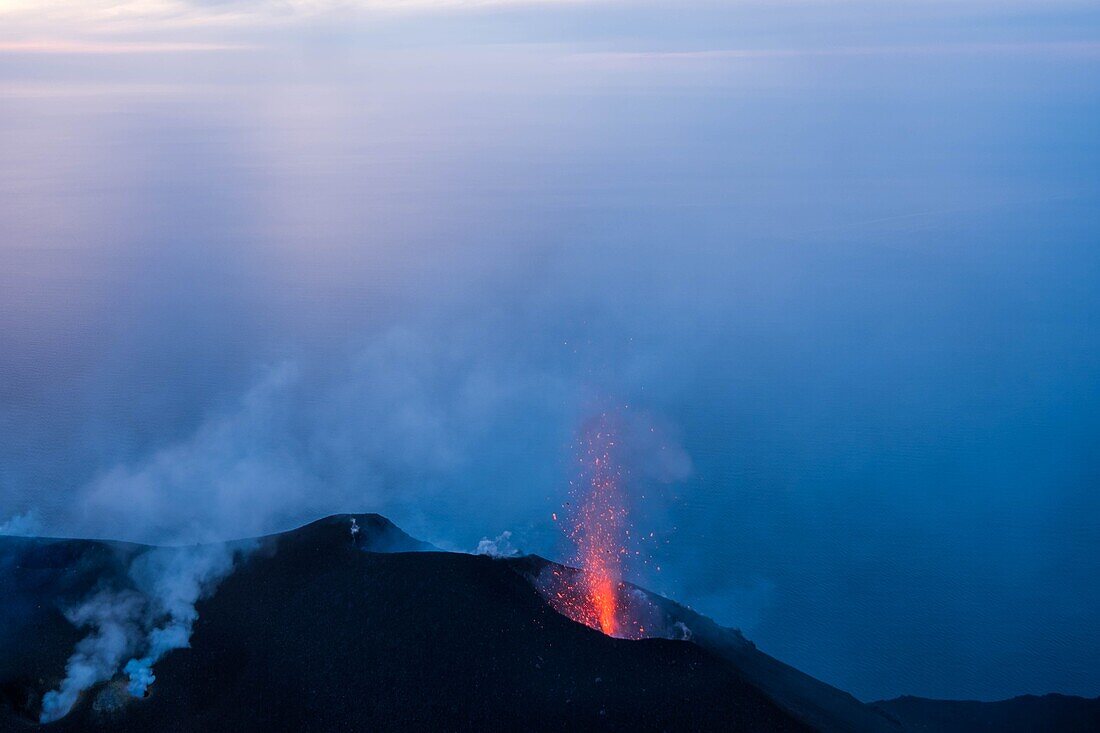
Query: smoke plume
{"type": "Point", "coordinates": [26, 524]}
{"type": "Point", "coordinates": [142, 622]}
{"type": "Point", "coordinates": [394, 428]}
{"type": "Point", "coordinates": [114, 620]}
{"type": "Point", "coordinates": [500, 547]}
{"type": "Point", "coordinates": [173, 580]}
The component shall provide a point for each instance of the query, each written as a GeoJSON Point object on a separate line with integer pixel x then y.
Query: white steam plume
{"type": "Point", "coordinates": [500, 547]}
{"type": "Point", "coordinates": [382, 430]}
{"type": "Point", "coordinates": [26, 524]}
{"type": "Point", "coordinates": [114, 618]}
{"type": "Point", "coordinates": [174, 579]}
{"type": "Point", "coordinates": [154, 617]}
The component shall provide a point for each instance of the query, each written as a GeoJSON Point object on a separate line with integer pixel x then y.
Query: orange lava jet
{"type": "Point", "coordinates": [593, 594]}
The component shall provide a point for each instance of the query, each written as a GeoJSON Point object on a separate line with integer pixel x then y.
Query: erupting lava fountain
{"type": "Point", "coordinates": [597, 523]}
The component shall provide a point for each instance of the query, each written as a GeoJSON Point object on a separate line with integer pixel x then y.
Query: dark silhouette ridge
{"type": "Point", "coordinates": [1024, 714]}
{"type": "Point", "coordinates": [314, 633]}
{"type": "Point", "coordinates": [324, 629]}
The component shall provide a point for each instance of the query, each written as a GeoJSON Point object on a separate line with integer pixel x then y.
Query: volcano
{"type": "Point", "coordinates": [328, 629]}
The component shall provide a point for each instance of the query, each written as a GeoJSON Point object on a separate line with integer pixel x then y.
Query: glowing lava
{"type": "Point", "coordinates": [594, 593]}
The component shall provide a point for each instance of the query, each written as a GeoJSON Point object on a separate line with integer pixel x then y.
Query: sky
{"type": "Point", "coordinates": [831, 264]}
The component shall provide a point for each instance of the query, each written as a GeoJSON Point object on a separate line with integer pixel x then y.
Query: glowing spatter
{"type": "Point", "coordinates": [598, 525]}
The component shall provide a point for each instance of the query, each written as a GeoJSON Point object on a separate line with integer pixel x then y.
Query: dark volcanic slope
{"type": "Point", "coordinates": [821, 706]}
{"type": "Point", "coordinates": [1025, 714]}
{"type": "Point", "coordinates": [313, 633]}
{"type": "Point", "coordinates": [320, 631]}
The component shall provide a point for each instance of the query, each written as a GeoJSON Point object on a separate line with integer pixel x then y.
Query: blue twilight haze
{"type": "Point", "coordinates": [836, 263]}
